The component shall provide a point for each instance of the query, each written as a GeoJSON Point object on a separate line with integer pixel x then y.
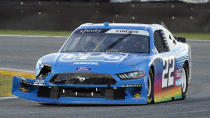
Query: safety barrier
{"type": "Point", "coordinates": [54, 15]}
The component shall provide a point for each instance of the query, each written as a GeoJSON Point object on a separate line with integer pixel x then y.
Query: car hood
{"type": "Point", "coordinates": [96, 62]}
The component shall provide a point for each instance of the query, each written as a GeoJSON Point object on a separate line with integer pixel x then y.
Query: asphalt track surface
{"type": "Point", "coordinates": [23, 52]}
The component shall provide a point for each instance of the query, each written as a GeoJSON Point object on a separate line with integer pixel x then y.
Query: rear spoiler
{"type": "Point", "coordinates": [181, 39]}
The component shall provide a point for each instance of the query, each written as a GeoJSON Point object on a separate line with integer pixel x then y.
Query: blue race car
{"type": "Point", "coordinates": [111, 64]}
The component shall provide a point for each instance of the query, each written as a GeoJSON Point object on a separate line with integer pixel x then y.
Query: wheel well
{"type": "Point", "coordinates": [153, 69]}
{"type": "Point", "coordinates": [152, 100]}
{"type": "Point", "coordinates": [187, 64]}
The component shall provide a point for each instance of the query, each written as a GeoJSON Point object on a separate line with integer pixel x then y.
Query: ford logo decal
{"type": "Point", "coordinates": [81, 79]}
{"type": "Point", "coordinates": [83, 68]}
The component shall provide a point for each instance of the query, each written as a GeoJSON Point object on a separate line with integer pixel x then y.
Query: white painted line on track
{"type": "Point", "coordinates": [33, 36]}
{"type": "Point", "coordinates": [198, 40]}
{"type": "Point", "coordinates": [5, 98]}
{"type": "Point", "coordinates": [16, 70]}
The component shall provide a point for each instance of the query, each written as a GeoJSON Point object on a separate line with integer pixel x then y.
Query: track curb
{"type": "Point", "coordinates": [16, 72]}
{"type": "Point", "coordinates": [6, 98]}
{"type": "Point", "coordinates": [13, 72]}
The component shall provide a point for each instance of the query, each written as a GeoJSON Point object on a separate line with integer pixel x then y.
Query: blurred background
{"type": "Point", "coordinates": [65, 15]}
{"type": "Point", "coordinates": [30, 29]}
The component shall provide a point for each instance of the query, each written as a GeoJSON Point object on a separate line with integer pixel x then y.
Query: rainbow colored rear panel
{"type": "Point", "coordinates": [169, 93]}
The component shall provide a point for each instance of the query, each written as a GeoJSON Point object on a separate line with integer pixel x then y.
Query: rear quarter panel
{"type": "Point", "coordinates": [182, 54]}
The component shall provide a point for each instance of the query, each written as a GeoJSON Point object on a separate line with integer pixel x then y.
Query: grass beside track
{"type": "Point", "coordinates": [191, 36]}
{"type": "Point", "coordinates": [35, 32]}
{"type": "Point", "coordinates": [194, 36]}
{"type": "Point", "coordinates": [6, 80]}
{"type": "Point", "coordinates": [5, 85]}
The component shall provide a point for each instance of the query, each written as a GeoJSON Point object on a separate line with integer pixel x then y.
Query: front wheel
{"type": "Point", "coordinates": [150, 87]}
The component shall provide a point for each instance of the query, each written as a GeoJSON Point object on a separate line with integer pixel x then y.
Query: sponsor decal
{"type": "Point", "coordinates": [179, 73]}
{"type": "Point", "coordinates": [85, 63]}
{"type": "Point", "coordinates": [132, 85]}
{"type": "Point", "coordinates": [90, 30]}
{"type": "Point", "coordinates": [128, 31]}
{"type": "Point", "coordinates": [93, 57]}
{"type": "Point", "coordinates": [83, 68]}
{"type": "Point", "coordinates": [178, 82]}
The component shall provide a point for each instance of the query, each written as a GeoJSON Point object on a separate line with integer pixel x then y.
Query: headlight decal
{"type": "Point", "coordinates": [131, 75]}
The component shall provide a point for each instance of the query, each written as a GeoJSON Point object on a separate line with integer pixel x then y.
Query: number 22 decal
{"type": "Point", "coordinates": [168, 72]}
{"type": "Point", "coordinates": [39, 82]}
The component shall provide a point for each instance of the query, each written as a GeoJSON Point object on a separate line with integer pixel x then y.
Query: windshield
{"type": "Point", "coordinates": [95, 40]}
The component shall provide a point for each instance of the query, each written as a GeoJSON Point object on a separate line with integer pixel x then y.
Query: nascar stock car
{"type": "Point", "coordinates": [111, 63]}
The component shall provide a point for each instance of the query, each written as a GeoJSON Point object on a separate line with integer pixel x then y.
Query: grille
{"type": "Point", "coordinates": [100, 92]}
{"type": "Point", "coordinates": [82, 92]}
{"type": "Point", "coordinates": [83, 79]}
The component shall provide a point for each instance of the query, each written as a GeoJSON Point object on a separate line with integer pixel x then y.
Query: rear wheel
{"type": "Point", "coordinates": [184, 81]}
{"type": "Point", "coordinates": [150, 87]}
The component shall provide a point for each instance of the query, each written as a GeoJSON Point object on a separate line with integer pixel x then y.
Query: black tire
{"type": "Point", "coordinates": [150, 96]}
{"type": "Point", "coordinates": [184, 93]}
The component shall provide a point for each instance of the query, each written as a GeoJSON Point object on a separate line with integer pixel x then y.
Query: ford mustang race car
{"type": "Point", "coordinates": [111, 64]}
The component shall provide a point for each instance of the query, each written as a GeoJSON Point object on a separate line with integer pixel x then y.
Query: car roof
{"type": "Point", "coordinates": [121, 25]}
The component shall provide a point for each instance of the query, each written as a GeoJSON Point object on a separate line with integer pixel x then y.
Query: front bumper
{"type": "Point", "coordinates": [127, 94]}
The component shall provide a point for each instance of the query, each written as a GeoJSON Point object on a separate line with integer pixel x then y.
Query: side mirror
{"type": "Point", "coordinates": [181, 39]}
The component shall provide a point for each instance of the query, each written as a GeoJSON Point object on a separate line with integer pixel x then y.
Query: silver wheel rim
{"type": "Point", "coordinates": [184, 81]}
{"type": "Point", "coordinates": [149, 87]}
